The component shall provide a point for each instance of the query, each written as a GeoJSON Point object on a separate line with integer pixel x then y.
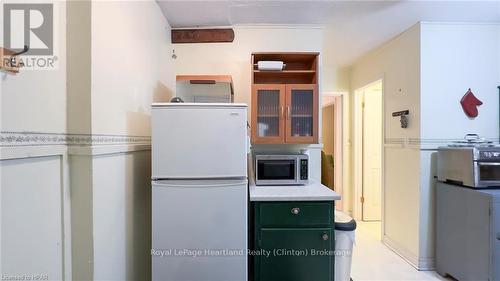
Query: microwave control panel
{"type": "Point", "coordinates": [303, 169]}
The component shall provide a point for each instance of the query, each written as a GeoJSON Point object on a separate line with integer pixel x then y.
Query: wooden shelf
{"type": "Point", "coordinates": [300, 68]}
{"type": "Point", "coordinates": [284, 76]}
{"type": "Point", "coordinates": [268, 115]}
{"type": "Point", "coordinates": [286, 71]}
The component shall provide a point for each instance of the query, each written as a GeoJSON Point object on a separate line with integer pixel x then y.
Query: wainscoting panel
{"type": "Point", "coordinates": [32, 217]}
{"type": "Point", "coordinates": [122, 216]}
{"type": "Point", "coordinates": [82, 217]}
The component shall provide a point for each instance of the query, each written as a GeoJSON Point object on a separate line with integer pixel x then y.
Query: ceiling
{"type": "Point", "coordinates": [353, 27]}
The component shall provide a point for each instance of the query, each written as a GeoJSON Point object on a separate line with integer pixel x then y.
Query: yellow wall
{"type": "Point", "coordinates": [397, 63]}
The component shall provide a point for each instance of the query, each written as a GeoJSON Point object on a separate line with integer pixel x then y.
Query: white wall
{"type": "Point", "coordinates": [122, 216]}
{"type": "Point", "coordinates": [118, 58]}
{"type": "Point", "coordinates": [31, 217]}
{"type": "Point", "coordinates": [36, 100]}
{"type": "Point", "coordinates": [398, 64]}
{"type": "Point", "coordinates": [131, 65]}
{"type": "Point", "coordinates": [456, 57]}
{"type": "Point", "coordinates": [130, 68]}
{"type": "Point", "coordinates": [34, 188]}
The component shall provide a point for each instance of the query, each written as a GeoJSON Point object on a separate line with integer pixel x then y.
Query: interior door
{"type": "Point", "coordinates": [290, 262]}
{"type": "Point", "coordinates": [372, 156]}
{"type": "Point", "coordinates": [301, 113]}
{"type": "Point", "coordinates": [268, 113]}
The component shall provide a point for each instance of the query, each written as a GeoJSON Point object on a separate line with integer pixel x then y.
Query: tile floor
{"type": "Point", "coordinates": [372, 260]}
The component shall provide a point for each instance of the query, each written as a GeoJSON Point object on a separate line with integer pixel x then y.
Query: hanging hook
{"type": "Point", "coordinates": [12, 60]}
{"type": "Point", "coordinates": [25, 49]}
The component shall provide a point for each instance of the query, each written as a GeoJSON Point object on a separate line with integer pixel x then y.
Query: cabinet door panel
{"type": "Point", "coordinates": [268, 113]}
{"type": "Point", "coordinates": [290, 263]}
{"type": "Point", "coordinates": [495, 255]}
{"type": "Point", "coordinates": [301, 113]}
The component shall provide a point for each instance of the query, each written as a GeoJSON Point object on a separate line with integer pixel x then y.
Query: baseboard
{"type": "Point", "coordinates": [401, 251]}
{"type": "Point", "coordinates": [421, 264]}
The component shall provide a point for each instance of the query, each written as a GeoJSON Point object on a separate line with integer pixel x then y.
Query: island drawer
{"type": "Point", "coordinates": [295, 214]}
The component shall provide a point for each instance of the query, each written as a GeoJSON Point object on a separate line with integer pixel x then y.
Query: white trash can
{"type": "Point", "coordinates": [345, 228]}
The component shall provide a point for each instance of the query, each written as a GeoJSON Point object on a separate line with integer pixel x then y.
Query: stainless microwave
{"type": "Point", "coordinates": [281, 169]}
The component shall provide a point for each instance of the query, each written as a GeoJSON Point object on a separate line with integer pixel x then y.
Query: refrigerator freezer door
{"type": "Point", "coordinates": [199, 141]}
{"type": "Point", "coordinates": [193, 223]}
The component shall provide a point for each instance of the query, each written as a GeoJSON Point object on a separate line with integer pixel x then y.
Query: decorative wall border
{"type": "Point", "coordinates": [421, 143]}
{"type": "Point", "coordinates": [15, 139]}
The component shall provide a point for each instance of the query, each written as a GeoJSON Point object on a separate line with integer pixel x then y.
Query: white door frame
{"type": "Point", "coordinates": [358, 154]}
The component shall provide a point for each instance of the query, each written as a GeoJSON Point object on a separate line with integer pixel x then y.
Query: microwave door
{"type": "Point", "coordinates": [487, 174]}
{"type": "Point", "coordinates": [276, 171]}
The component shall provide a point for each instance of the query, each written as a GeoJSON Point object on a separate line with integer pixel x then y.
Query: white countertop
{"type": "Point", "coordinates": [314, 191]}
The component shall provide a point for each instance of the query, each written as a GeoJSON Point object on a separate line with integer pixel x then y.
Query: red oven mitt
{"type": "Point", "coordinates": [470, 103]}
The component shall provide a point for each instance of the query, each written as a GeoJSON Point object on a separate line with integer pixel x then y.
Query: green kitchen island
{"type": "Point", "coordinates": [292, 230]}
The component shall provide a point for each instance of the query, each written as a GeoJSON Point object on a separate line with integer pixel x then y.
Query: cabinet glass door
{"type": "Point", "coordinates": [302, 114]}
{"type": "Point", "coordinates": [268, 126]}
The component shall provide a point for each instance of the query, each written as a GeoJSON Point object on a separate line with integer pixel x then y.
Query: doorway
{"type": "Point", "coordinates": [332, 138]}
{"type": "Point", "coordinates": [368, 160]}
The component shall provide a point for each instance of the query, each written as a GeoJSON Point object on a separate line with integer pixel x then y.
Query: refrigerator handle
{"type": "Point", "coordinates": [166, 184]}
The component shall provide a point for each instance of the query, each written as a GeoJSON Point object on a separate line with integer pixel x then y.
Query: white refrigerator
{"type": "Point", "coordinates": [199, 196]}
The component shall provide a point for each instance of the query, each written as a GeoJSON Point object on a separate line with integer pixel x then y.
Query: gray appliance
{"type": "Point", "coordinates": [474, 163]}
{"type": "Point", "coordinates": [467, 232]}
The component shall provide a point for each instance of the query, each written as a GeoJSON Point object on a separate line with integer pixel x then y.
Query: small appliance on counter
{"type": "Point", "coordinates": [281, 169]}
{"type": "Point", "coordinates": [205, 88]}
{"type": "Point", "coordinates": [474, 163]}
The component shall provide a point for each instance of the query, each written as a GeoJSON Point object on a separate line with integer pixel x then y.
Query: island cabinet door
{"type": "Point", "coordinates": [296, 254]}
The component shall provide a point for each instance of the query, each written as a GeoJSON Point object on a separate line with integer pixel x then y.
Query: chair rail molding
{"type": "Point", "coordinates": [37, 138]}
{"type": "Point", "coordinates": [424, 143]}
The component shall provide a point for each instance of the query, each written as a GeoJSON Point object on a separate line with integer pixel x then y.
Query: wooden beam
{"type": "Point", "coordinates": [216, 78]}
{"type": "Point", "coordinates": [202, 35]}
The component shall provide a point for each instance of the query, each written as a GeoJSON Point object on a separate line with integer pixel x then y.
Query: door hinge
{"type": "Point", "coordinates": [363, 104]}
{"type": "Point", "coordinates": [362, 199]}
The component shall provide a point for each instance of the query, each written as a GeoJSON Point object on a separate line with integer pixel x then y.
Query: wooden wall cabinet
{"type": "Point", "coordinates": [285, 103]}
